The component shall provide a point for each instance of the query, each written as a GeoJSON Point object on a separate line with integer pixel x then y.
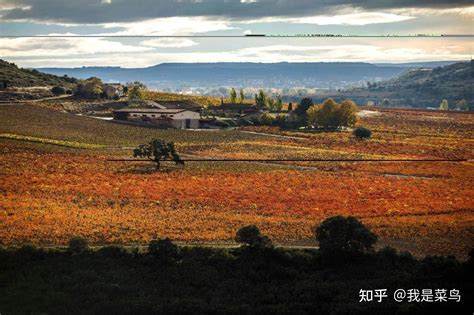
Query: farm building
{"type": "Point", "coordinates": [183, 104]}
{"type": "Point", "coordinates": [166, 118]}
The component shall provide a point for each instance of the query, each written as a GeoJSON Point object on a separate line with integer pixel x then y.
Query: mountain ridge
{"type": "Point", "coordinates": [175, 76]}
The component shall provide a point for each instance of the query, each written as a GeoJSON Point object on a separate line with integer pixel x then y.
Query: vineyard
{"type": "Point", "coordinates": [57, 182]}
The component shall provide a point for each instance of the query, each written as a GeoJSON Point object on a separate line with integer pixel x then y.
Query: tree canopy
{"type": "Point", "coordinates": [157, 151]}
{"type": "Point", "coordinates": [344, 237]}
{"type": "Point", "coordinates": [331, 115]}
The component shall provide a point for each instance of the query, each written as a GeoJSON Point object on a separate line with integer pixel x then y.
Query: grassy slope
{"type": "Point", "coordinates": [28, 120]}
{"type": "Point", "coordinates": [19, 77]}
{"type": "Point", "coordinates": [453, 82]}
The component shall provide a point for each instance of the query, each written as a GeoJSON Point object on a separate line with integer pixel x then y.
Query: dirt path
{"type": "Point", "coordinates": [4, 103]}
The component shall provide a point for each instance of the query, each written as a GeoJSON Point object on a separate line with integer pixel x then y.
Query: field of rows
{"type": "Point", "coordinates": [52, 189]}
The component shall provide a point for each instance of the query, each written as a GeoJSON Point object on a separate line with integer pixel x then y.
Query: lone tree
{"type": "Point", "coordinates": [251, 236]}
{"type": "Point", "coordinates": [157, 151]}
{"type": "Point", "coordinates": [344, 238]}
{"type": "Point", "coordinates": [233, 96]}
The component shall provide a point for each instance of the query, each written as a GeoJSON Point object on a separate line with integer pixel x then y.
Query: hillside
{"type": "Point", "coordinates": [453, 82]}
{"type": "Point", "coordinates": [420, 88]}
{"type": "Point", "coordinates": [13, 76]}
{"type": "Point", "coordinates": [424, 87]}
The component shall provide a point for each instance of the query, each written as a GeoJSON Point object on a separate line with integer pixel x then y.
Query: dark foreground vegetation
{"type": "Point", "coordinates": [255, 278]}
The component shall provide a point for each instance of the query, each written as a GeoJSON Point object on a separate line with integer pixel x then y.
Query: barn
{"type": "Point", "coordinates": [166, 118]}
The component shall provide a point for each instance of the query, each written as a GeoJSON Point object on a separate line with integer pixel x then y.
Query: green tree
{"type": "Point", "coordinates": [278, 104]}
{"type": "Point", "coordinates": [90, 88]}
{"type": "Point", "coordinates": [444, 105]}
{"type": "Point", "coordinates": [304, 105]}
{"type": "Point", "coordinates": [270, 104]}
{"type": "Point", "coordinates": [331, 115]}
{"type": "Point", "coordinates": [347, 112]}
{"type": "Point", "coordinates": [242, 96]}
{"type": "Point", "coordinates": [205, 110]}
{"type": "Point", "coordinates": [135, 93]}
{"type": "Point", "coordinates": [233, 96]}
{"type": "Point", "coordinates": [342, 238]}
{"type": "Point", "coordinates": [260, 99]}
{"type": "Point", "coordinates": [157, 151]}
{"type": "Point", "coordinates": [312, 115]}
{"type": "Point", "coordinates": [327, 115]}
{"type": "Point", "coordinates": [266, 119]}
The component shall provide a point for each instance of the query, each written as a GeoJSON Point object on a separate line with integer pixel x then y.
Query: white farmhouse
{"type": "Point", "coordinates": [166, 118]}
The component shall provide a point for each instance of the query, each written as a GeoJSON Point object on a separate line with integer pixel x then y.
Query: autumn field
{"type": "Point", "coordinates": [56, 181]}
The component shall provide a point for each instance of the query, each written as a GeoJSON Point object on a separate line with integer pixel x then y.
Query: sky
{"type": "Point", "coordinates": [192, 18]}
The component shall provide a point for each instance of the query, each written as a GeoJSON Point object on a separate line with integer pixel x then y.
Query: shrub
{"type": "Point", "coordinates": [221, 123]}
{"type": "Point", "coordinates": [78, 245]}
{"type": "Point", "coordinates": [163, 249]}
{"type": "Point", "coordinates": [280, 121]}
{"type": "Point", "coordinates": [266, 119]}
{"type": "Point", "coordinates": [112, 251]}
{"type": "Point", "coordinates": [58, 90]}
{"type": "Point", "coordinates": [362, 133]}
{"type": "Point", "coordinates": [344, 237]}
{"type": "Point", "coordinates": [251, 236]}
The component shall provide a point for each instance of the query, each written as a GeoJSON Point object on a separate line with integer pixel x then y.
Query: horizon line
{"type": "Point", "coordinates": [253, 62]}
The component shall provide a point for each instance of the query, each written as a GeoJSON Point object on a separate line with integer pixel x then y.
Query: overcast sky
{"type": "Point", "coordinates": [230, 17]}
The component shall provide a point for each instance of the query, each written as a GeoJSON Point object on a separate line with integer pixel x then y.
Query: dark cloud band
{"type": "Point", "coordinates": [100, 11]}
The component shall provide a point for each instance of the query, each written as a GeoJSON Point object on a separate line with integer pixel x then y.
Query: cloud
{"type": "Point", "coordinates": [125, 11]}
{"type": "Point", "coordinates": [169, 26]}
{"type": "Point", "coordinates": [358, 18]}
{"type": "Point", "coordinates": [63, 47]}
{"type": "Point", "coordinates": [169, 42]}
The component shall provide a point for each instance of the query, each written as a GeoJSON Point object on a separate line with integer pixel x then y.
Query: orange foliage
{"type": "Point", "coordinates": [49, 197]}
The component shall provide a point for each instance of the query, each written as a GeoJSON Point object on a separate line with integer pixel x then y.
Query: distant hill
{"type": "Point", "coordinates": [13, 76]}
{"type": "Point", "coordinates": [173, 76]}
{"type": "Point", "coordinates": [418, 87]}
{"type": "Point", "coordinates": [425, 87]}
